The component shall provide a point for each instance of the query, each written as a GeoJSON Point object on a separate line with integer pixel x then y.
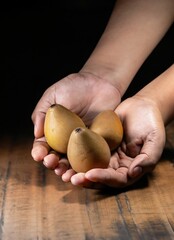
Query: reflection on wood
{"type": "Point", "coordinates": [36, 204]}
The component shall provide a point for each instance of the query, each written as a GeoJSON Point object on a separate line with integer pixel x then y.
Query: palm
{"type": "Point", "coordinates": [84, 94]}
{"type": "Point", "coordinates": [144, 139]}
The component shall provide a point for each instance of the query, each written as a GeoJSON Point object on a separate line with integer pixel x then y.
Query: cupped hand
{"type": "Point", "coordinates": [145, 134]}
{"type": "Point", "coordinates": [142, 146]}
{"type": "Point", "coordinates": [115, 176]}
{"type": "Point", "coordinates": [83, 93]}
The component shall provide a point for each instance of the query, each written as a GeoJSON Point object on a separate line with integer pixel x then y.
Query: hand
{"type": "Point", "coordinates": [115, 176]}
{"type": "Point", "coordinates": [144, 140]}
{"type": "Point", "coordinates": [145, 136]}
{"type": "Point", "coordinates": [82, 93]}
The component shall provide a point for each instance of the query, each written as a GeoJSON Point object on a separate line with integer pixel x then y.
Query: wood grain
{"type": "Point", "coordinates": [36, 204]}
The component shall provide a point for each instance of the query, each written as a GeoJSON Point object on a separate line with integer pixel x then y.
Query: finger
{"type": "Point", "coordinates": [141, 164]}
{"type": "Point", "coordinates": [51, 161]}
{"type": "Point", "coordinates": [110, 177]}
{"type": "Point", "coordinates": [148, 157]}
{"type": "Point", "coordinates": [62, 167]}
{"type": "Point", "coordinates": [123, 160]}
{"type": "Point", "coordinates": [114, 160]}
{"type": "Point", "coordinates": [38, 121]}
{"type": "Point", "coordinates": [133, 148]}
{"type": "Point", "coordinates": [40, 149]}
{"type": "Point", "coordinates": [80, 180]}
{"type": "Point", "coordinates": [66, 177]}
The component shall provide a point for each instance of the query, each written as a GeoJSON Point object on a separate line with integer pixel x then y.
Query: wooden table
{"type": "Point", "coordinates": [36, 204]}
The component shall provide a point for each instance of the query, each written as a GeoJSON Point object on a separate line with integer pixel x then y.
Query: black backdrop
{"type": "Point", "coordinates": [43, 42]}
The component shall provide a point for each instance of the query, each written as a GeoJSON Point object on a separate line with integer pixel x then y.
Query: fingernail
{"type": "Point", "coordinates": [136, 171]}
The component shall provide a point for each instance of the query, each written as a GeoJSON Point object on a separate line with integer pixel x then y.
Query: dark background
{"type": "Point", "coordinates": [45, 41]}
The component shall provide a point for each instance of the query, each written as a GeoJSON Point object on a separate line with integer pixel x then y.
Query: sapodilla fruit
{"type": "Point", "coordinates": [58, 125]}
{"type": "Point", "coordinates": [109, 126]}
{"type": "Point", "coordinates": [87, 150]}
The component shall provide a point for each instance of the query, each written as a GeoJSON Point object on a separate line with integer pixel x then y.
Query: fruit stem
{"type": "Point", "coordinates": [77, 130]}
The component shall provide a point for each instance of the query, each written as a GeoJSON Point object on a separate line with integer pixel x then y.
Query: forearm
{"type": "Point", "coordinates": [134, 29]}
{"type": "Point", "coordinates": [161, 93]}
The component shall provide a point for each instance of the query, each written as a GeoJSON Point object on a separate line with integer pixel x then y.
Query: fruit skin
{"type": "Point", "coordinates": [58, 125]}
{"type": "Point", "coordinates": [109, 126]}
{"type": "Point", "coordinates": [87, 150]}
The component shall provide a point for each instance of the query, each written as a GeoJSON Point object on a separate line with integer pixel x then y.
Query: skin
{"type": "Point", "coordinates": [159, 94]}
{"type": "Point", "coordinates": [144, 117]}
{"type": "Point", "coordinates": [101, 83]}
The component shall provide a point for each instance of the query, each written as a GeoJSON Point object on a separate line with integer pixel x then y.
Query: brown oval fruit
{"type": "Point", "coordinates": [59, 123]}
{"type": "Point", "coordinates": [109, 126]}
{"type": "Point", "coordinates": [87, 150]}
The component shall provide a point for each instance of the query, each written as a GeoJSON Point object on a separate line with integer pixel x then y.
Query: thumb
{"type": "Point", "coordinates": [147, 159]}
{"type": "Point", "coordinates": [39, 124]}
{"type": "Point", "coordinates": [140, 165]}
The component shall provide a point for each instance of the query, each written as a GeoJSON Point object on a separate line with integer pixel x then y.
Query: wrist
{"type": "Point", "coordinates": [114, 75]}
{"type": "Point", "coordinates": [160, 93]}
{"type": "Point", "coordinates": [151, 107]}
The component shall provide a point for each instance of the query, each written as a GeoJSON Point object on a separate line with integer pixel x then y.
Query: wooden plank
{"type": "Point", "coordinates": [36, 204]}
{"type": "Point", "coordinates": [4, 173]}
